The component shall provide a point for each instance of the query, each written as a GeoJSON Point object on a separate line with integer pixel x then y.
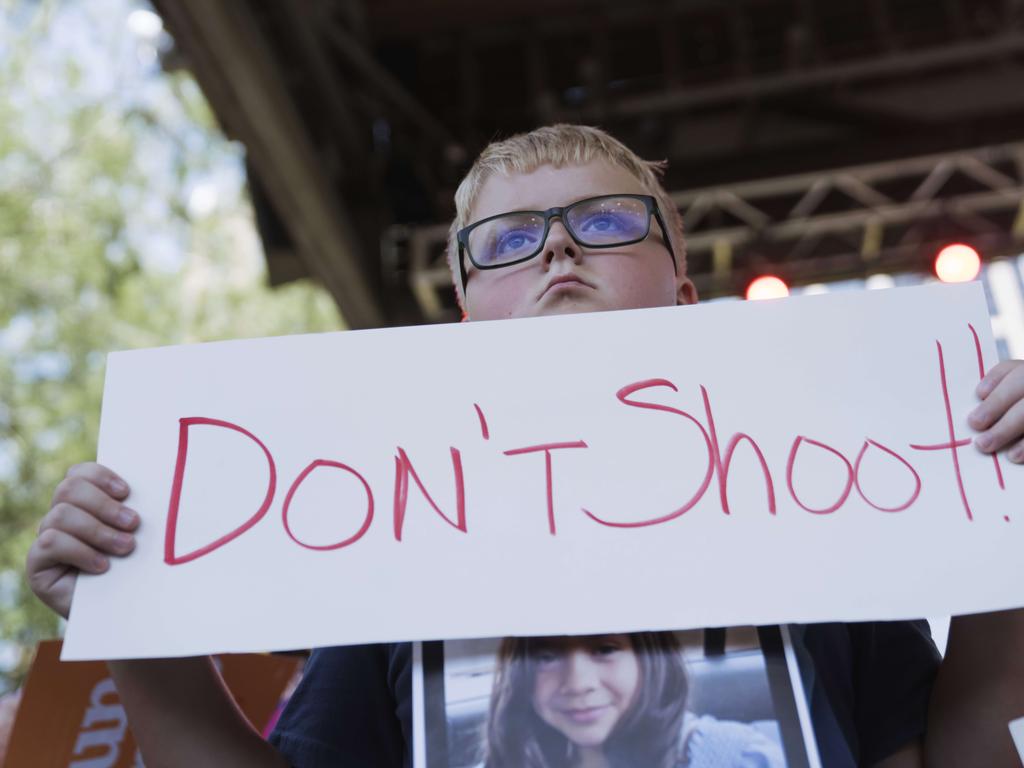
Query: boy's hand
{"type": "Point", "coordinates": [1000, 417]}
{"type": "Point", "coordinates": [86, 523]}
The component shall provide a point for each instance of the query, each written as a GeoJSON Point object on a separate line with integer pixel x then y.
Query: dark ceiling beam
{"type": "Point", "coordinates": [305, 18]}
{"type": "Point", "coordinates": [739, 29]}
{"type": "Point", "coordinates": [542, 99]}
{"type": "Point", "coordinates": [811, 22]}
{"type": "Point", "coordinates": [849, 115]}
{"type": "Point", "coordinates": [897, 65]}
{"type": "Point", "coordinates": [881, 22]}
{"type": "Point", "coordinates": [469, 92]}
{"type": "Point", "coordinates": [956, 19]}
{"type": "Point", "coordinates": [233, 62]}
{"type": "Point", "coordinates": [387, 85]}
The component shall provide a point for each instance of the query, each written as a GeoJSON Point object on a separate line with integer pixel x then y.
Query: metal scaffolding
{"type": "Point", "coordinates": [841, 223]}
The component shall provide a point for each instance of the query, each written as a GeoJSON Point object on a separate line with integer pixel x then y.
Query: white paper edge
{"type": "Point", "coordinates": [800, 696]}
{"type": "Point", "coordinates": [1017, 732]}
{"type": "Point", "coordinates": [419, 734]}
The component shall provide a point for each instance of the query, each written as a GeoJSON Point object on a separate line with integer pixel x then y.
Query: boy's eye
{"type": "Point", "coordinates": [514, 242]}
{"type": "Point", "coordinates": [507, 238]}
{"type": "Point", "coordinates": [611, 225]}
{"type": "Point", "coordinates": [602, 222]}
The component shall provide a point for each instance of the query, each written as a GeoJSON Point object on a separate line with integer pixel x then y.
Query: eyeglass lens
{"type": "Point", "coordinates": [600, 222]}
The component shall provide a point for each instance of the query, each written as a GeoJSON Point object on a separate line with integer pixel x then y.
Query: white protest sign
{"type": "Point", "coordinates": [558, 475]}
{"type": "Point", "coordinates": [1017, 733]}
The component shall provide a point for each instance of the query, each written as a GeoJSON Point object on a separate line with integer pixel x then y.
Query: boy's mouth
{"type": "Point", "coordinates": [564, 282]}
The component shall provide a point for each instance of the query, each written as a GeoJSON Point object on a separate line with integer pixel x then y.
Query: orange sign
{"type": "Point", "coordinates": [71, 715]}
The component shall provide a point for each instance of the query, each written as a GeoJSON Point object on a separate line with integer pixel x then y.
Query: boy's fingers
{"type": "Point", "coordinates": [87, 528]}
{"type": "Point", "coordinates": [55, 548]}
{"type": "Point", "coordinates": [81, 493]}
{"type": "Point", "coordinates": [1008, 429]}
{"type": "Point", "coordinates": [101, 477]}
{"type": "Point", "coordinates": [1008, 391]}
{"type": "Point", "coordinates": [1016, 452]}
{"type": "Point", "coordinates": [994, 375]}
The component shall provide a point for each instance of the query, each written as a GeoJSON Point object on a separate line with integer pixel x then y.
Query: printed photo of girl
{"type": "Point", "coordinates": [604, 701]}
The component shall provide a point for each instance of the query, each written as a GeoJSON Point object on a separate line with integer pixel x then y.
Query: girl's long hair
{"type": "Point", "coordinates": [647, 735]}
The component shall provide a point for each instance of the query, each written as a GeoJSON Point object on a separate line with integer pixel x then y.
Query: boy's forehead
{"type": "Point", "coordinates": [547, 186]}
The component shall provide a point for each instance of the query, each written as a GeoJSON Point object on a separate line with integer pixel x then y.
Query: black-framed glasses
{"type": "Point", "coordinates": [606, 221]}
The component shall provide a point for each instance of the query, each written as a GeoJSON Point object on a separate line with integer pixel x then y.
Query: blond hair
{"type": "Point", "coordinates": [559, 145]}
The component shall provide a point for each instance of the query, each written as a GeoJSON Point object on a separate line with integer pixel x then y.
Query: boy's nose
{"type": "Point", "coordinates": [560, 243]}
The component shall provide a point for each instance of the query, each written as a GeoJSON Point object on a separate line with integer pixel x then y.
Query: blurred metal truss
{"type": "Point", "coordinates": [813, 227]}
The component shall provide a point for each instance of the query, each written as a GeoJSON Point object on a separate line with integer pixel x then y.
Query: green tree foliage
{"type": "Point", "coordinates": [123, 224]}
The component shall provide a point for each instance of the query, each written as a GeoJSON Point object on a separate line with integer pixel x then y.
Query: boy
{"type": "Point", "coordinates": [603, 235]}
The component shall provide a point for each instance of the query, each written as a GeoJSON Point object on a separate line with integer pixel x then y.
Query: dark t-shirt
{"type": "Point", "coordinates": [868, 687]}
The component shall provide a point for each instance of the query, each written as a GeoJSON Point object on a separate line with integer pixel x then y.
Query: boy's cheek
{"type": "Point", "coordinates": [653, 288]}
{"type": "Point", "coordinates": [499, 295]}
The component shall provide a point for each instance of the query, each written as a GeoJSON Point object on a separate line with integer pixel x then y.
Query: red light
{"type": "Point", "coordinates": [957, 263]}
{"type": "Point", "coordinates": [767, 287]}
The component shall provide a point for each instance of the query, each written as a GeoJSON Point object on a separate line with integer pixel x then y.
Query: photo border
{"type": "Point", "coordinates": [430, 721]}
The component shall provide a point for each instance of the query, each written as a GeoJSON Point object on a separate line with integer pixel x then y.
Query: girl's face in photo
{"type": "Point", "coordinates": [584, 686]}
{"type": "Point", "coordinates": [565, 277]}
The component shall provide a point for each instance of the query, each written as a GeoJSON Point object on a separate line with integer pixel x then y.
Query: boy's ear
{"type": "Point", "coordinates": [686, 291]}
